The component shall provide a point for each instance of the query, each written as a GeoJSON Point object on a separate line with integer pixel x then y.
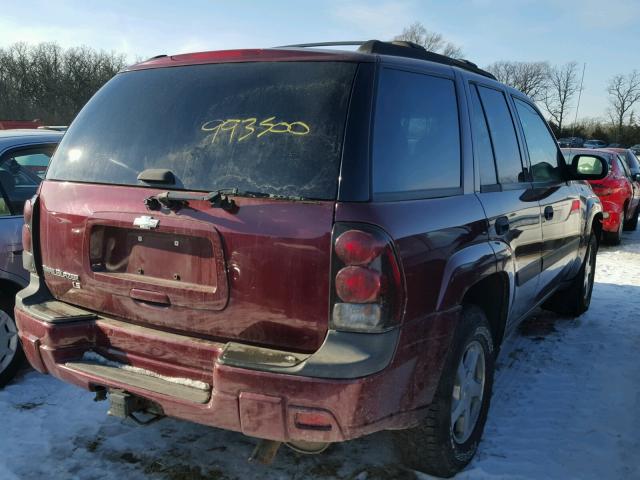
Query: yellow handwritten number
{"type": "Point", "coordinates": [248, 125]}
{"type": "Point", "coordinates": [248, 128]}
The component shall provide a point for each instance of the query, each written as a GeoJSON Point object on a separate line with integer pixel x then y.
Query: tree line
{"type": "Point", "coordinates": [556, 89]}
{"type": "Point", "coordinates": [49, 83]}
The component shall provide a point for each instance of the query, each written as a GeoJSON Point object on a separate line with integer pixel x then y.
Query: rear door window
{"type": "Point", "coordinates": [416, 145]}
{"type": "Point", "coordinates": [503, 135]}
{"type": "Point", "coordinates": [543, 152]}
{"type": "Point", "coordinates": [267, 127]}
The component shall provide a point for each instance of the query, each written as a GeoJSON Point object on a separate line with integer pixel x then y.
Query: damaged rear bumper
{"type": "Point", "coordinates": [353, 385]}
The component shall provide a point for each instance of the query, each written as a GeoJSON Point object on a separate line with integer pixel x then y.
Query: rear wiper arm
{"type": "Point", "coordinates": [175, 200]}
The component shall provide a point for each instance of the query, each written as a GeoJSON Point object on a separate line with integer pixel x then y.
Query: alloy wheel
{"type": "Point", "coordinates": [468, 392]}
{"type": "Point", "coordinates": [8, 340]}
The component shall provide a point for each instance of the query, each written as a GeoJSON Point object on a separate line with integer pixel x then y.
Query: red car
{"type": "Point", "coordinates": [619, 193]}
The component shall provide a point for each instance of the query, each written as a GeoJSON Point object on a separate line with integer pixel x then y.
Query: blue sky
{"type": "Point", "coordinates": [604, 34]}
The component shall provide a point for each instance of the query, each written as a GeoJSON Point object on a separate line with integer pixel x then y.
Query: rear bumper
{"type": "Point", "coordinates": [258, 400]}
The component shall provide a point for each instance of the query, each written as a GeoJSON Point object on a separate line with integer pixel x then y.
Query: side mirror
{"type": "Point", "coordinates": [589, 167]}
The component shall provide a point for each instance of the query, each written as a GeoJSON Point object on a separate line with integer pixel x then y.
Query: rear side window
{"type": "Point", "coordinates": [482, 148]}
{"type": "Point", "coordinates": [272, 128]}
{"type": "Point", "coordinates": [503, 134]}
{"type": "Point", "coordinates": [622, 165]}
{"type": "Point", "coordinates": [543, 152]}
{"type": "Point", "coordinates": [632, 162]}
{"type": "Point", "coordinates": [416, 145]}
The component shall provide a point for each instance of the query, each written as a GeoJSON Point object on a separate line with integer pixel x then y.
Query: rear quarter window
{"type": "Point", "coordinates": [416, 145]}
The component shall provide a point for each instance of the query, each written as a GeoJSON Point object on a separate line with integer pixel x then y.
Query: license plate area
{"type": "Point", "coordinates": [182, 258]}
{"type": "Point", "coordinates": [158, 257]}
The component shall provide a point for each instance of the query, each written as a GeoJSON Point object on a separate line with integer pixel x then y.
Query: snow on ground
{"type": "Point", "coordinates": [566, 405]}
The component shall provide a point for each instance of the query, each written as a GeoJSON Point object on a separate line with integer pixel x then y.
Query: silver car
{"type": "Point", "coordinates": [24, 157]}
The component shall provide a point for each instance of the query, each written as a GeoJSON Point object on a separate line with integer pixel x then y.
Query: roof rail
{"type": "Point", "coordinates": [400, 48]}
{"type": "Point", "coordinates": [325, 44]}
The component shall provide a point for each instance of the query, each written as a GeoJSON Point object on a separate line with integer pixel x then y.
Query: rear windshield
{"type": "Point", "coordinates": [274, 128]}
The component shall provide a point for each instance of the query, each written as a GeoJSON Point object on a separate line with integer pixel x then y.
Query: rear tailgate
{"type": "Point", "coordinates": [271, 130]}
{"type": "Point", "coordinates": [259, 275]}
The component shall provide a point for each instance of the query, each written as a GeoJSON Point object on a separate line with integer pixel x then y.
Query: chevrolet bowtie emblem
{"type": "Point", "coordinates": [146, 222]}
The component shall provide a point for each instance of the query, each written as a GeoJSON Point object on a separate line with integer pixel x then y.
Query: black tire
{"type": "Point", "coordinates": [12, 360]}
{"type": "Point", "coordinates": [575, 300]}
{"type": "Point", "coordinates": [632, 223]}
{"type": "Point", "coordinates": [614, 238]}
{"type": "Point", "coordinates": [431, 447]}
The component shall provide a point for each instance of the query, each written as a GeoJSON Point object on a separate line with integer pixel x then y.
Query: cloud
{"type": "Point", "coordinates": [382, 20]}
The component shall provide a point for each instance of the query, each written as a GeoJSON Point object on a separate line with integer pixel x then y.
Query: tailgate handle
{"type": "Point", "coordinates": [149, 296]}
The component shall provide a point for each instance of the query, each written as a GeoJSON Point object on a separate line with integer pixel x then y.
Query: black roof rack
{"type": "Point", "coordinates": [400, 48]}
{"type": "Point", "coordinates": [325, 44]}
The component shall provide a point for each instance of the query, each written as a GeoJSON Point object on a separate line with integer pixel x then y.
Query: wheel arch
{"type": "Point", "coordinates": [491, 295]}
{"type": "Point", "coordinates": [594, 216]}
{"type": "Point", "coordinates": [478, 275]}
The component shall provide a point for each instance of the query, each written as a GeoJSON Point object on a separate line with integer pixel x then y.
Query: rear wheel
{"type": "Point", "coordinates": [448, 437]}
{"type": "Point", "coordinates": [10, 350]}
{"type": "Point", "coordinates": [575, 300]}
{"type": "Point", "coordinates": [632, 223]}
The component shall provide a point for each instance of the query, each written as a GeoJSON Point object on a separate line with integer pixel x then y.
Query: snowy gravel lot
{"type": "Point", "coordinates": [566, 405]}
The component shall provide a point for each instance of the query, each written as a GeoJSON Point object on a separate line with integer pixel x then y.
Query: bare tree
{"type": "Point", "coordinates": [562, 85]}
{"type": "Point", "coordinates": [528, 77]}
{"type": "Point", "coordinates": [624, 93]}
{"type": "Point", "coordinates": [432, 41]}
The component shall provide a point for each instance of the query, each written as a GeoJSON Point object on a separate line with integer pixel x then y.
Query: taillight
{"type": "Point", "coordinates": [358, 284]}
{"type": "Point", "coordinates": [26, 239]}
{"type": "Point", "coordinates": [26, 227]}
{"type": "Point", "coordinates": [28, 210]}
{"type": "Point", "coordinates": [367, 285]}
{"type": "Point", "coordinates": [355, 247]}
{"type": "Point", "coordinates": [27, 235]}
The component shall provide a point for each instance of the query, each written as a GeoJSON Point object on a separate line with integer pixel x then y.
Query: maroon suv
{"type": "Point", "coordinates": [305, 246]}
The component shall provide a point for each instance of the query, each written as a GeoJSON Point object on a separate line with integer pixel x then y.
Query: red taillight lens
{"type": "Point", "coordinates": [26, 238]}
{"type": "Point", "coordinates": [355, 247]}
{"type": "Point", "coordinates": [28, 212]}
{"type": "Point", "coordinates": [27, 243]}
{"type": "Point", "coordinates": [358, 284]}
{"type": "Point", "coordinates": [368, 289]}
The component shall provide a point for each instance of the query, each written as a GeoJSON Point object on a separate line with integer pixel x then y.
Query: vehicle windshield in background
{"type": "Point", "coordinates": [273, 128]}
